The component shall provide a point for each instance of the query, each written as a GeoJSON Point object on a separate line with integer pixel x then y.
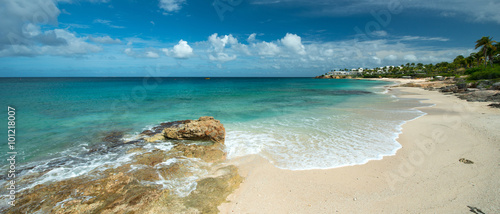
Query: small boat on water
{"type": "Point", "coordinates": [207, 78]}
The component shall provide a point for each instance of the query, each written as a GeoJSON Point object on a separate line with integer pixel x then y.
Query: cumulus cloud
{"type": "Point", "coordinates": [181, 51]}
{"type": "Point", "coordinates": [21, 34]}
{"type": "Point", "coordinates": [104, 40]}
{"type": "Point", "coordinates": [267, 49]}
{"type": "Point", "coordinates": [218, 46]}
{"type": "Point", "coordinates": [294, 43]}
{"type": "Point", "coordinates": [171, 5]}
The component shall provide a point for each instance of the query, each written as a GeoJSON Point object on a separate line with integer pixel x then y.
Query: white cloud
{"type": "Point", "coordinates": [151, 54]}
{"type": "Point", "coordinates": [181, 51]}
{"type": "Point", "coordinates": [379, 33]}
{"type": "Point", "coordinates": [411, 58]}
{"type": "Point", "coordinates": [107, 23]}
{"type": "Point", "coordinates": [267, 49]}
{"type": "Point", "coordinates": [22, 35]}
{"type": "Point", "coordinates": [294, 43]}
{"type": "Point", "coordinates": [129, 52]}
{"type": "Point", "coordinates": [171, 5]}
{"type": "Point", "coordinates": [391, 57]}
{"type": "Point", "coordinates": [218, 47]}
{"type": "Point", "coordinates": [104, 40]}
{"type": "Point", "coordinates": [421, 38]}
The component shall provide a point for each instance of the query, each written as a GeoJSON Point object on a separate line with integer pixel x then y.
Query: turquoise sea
{"type": "Point", "coordinates": [296, 123]}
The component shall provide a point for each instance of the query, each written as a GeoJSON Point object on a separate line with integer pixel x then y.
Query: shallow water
{"type": "Point", "coordinates": [296, 123]}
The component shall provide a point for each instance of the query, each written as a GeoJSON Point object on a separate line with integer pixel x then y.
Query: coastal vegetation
{"type": "Point", "coordinates": [483, 64]}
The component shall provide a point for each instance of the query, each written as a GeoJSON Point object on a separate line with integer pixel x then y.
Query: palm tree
{"type": "Point", "coordinates": [486, 44]}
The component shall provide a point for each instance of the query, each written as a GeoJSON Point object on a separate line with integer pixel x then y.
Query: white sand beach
{"type": "Point", "coordinates": [425, 176]}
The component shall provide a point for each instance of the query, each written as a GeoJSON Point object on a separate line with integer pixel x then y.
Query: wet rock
{"type": "Point", "coordinates": [134, 150]}
{"type": "Point", "coordinates": [208, 153]}
{"type": "Point", "coordinates": [113, 137]}
{"type": "Point", "coordinates": [132, 187]}
{"type": "Point", "coordinates": [175, 170]}
{"type": "Point", "coordinates": [145, 174]}
{"type": "Point", "coordinates": [152, 158]}
{"type": "Point", "coordinates": [210, 192]}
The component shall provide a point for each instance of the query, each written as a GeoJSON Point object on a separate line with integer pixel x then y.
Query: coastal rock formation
{"type": "Point", "coordinates": [481, 96]}
{"type": "Point", "coordinates": [146, 183]}
{"type": "Point", "coordinates": [205, 128]}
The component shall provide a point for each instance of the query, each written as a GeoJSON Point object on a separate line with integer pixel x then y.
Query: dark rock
{"type": "Point", "coordinates": [493, 98]}
{"type": "Point", "coordinates": [483, 84]}
{"type": "Point", "coordinates": [494, 105]}
{"type": "Point", "coordinates": [495, 86]}
{"type": "Point", "coordinates": [113, 137]}
{"type": "Point", "coordinates": [480, 96]}
{"type": "Point", "coordinates": [462, 85]}
{"type": "Point", "coordinates": [463, 160]}
{"type": "Point", "coordinates": [450, 88]}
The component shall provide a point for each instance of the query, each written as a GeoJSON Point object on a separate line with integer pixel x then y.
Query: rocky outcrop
{"type": "Point", "coordinates": [481, 96]}
{"type": "Point", "coordinates": [138, 186]}
{"type": "Point", "coordinates": [495, 86]}
{"type": "Point", "coordinates": [205, 128]}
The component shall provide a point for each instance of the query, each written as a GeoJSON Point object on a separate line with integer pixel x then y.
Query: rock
{"type": "Point", "coordinates": [462, 85]}
{"type": "Point", "coordinates": [208, 153]}
{"type": "Point", "coordinates": [152, 158]}
{"type": "Point", "coordinates": [481, 96]}
{"type": "Point", "coordinates": [463, 160]}
{"type": "Point", "coordinates": [210, 192]}
{"type": "Point", "coordinates": [494, 105]}
{"type": "Point", "coordinates": [483, 84]}
{"type": "Point", "coordinates": [451, 88]}
{"type": "Point", "coordinates": [495, 86]}
{"type": "Point", "coordinates": [144, 185]}
{"type": "Point", "coordinates": [205, 128]}
{"type": "Point", "coordinates": [113, 137]}
{"type": "Point", "coordinates": [493, 98]}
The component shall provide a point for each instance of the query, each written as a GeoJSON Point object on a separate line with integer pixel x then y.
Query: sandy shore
{"type": "Point", "coordinates": [425, 176]}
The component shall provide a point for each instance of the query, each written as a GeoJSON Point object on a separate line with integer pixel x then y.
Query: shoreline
{"type": "Point", "coordinates": [425, 175]}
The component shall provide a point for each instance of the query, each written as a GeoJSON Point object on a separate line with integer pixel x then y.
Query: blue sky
{"type": "Point", "coordinates": [174, 38]}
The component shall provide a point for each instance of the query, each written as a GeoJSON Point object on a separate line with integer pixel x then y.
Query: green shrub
{"type": "Point", "coordinates": [472, 70]}
{"type": "Point", "coordinates": [487, 74]}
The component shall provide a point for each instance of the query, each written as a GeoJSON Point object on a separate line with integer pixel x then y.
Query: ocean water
{"type": "Point", "coordinates": [296, 123]}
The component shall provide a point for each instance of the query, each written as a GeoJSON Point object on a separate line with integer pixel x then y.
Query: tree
{"type": "Point", "coordinates": [486, 44]}
{"type": "Point", "coordinates": [459, 61]}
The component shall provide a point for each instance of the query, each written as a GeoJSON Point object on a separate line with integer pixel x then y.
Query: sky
{"type": "Point", "coordinates": [234, 38]}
